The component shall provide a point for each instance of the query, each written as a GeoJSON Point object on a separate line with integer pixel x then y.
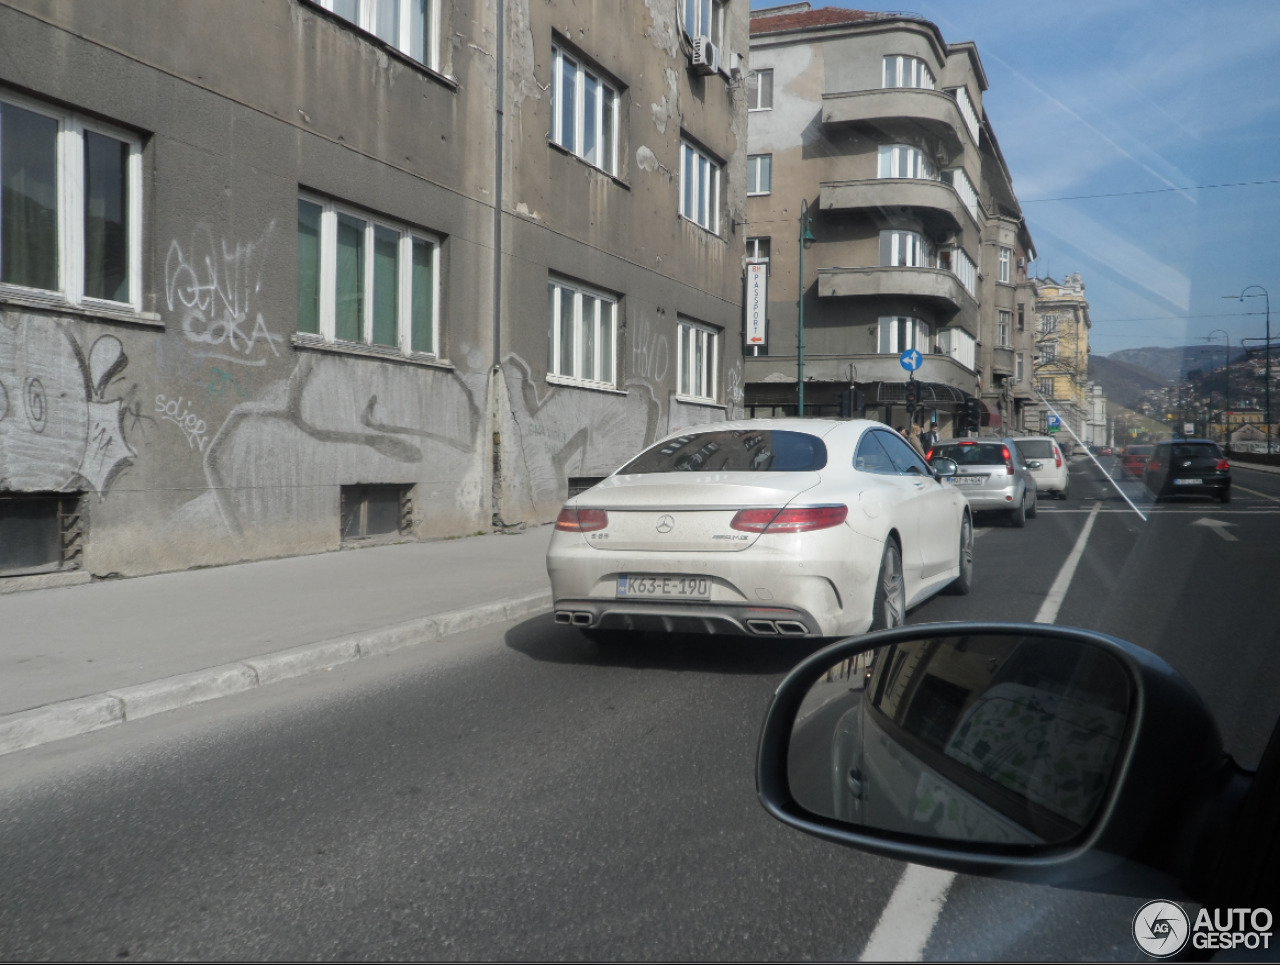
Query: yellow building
{"type": "Point", "coordinates": [1061, 317]}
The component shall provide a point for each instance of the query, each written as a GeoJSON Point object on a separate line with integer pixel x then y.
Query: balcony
{"type": "Point", "coordinates": [934, 110]}
{"type": "Point", "coordinates": [857, 368]}
{"type": "Point", "coordinates": [935, 287]}
{"type": "Point", "coordinates": [938, 202]}
{"type": "Point", "coordinates": [1002, 360]}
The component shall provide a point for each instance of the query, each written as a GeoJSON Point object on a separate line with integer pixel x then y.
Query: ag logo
{"type": "Point", "coordinates": [1161, 928]}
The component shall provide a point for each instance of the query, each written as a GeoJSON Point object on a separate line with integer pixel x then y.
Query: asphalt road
{"type": "Point", "coordinates": [518, 793]}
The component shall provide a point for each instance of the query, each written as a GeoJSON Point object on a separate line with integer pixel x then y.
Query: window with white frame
{"type": "Point", "coordinates": [757, 249]}
{"type": "Point", "coordinates": [967, 110]}
{"type": "Point", "coordinates": [905, 249]}
{"type": "Point", "coordinates": [1006, 257]}
{"type": "Point", "coordinates": [704, 18]}
{"type": "Point", "coordinates": [901, 70]}
{"type": "Point", "coordinates": [70, 207]}
{"type": "Point", "coordinates": [760, 90]}
{"type": "Point", "coordinates": [958, 179]}
{"type": "Point", "coordinates": [1045, 387]}
{"type": "Point", "coordinates": [699, 188]}
{"type": "Point", "coordinates": [759, 173]}
{"type": "Point", "coordinates": [905, 161]}
{"type": "Point", "coordinates": [698, 351]}
{"type": "Point", "coordinates": [964, 269]}
{"type": "Point", "coordinates": [958, 344]}
{"type": "Point", "coordinates": [365, 279]}
{"type": "Point", "coordinates": [410, 26]}
{"type": "Point", "coordinates": [1048, 324]}
{"type": "Point", "coordinates": [1017, 369]}
{"type": "Point", "coordinates": [584, 111]}
{"type": "Point", "coordinates": [1004, 322]}
{"type": "Point", "coordinates": [582, 335]}
{"type": "Point", "coordinates": [898, 333]}
{"type": "Point", "coordinates": [1048, 352]}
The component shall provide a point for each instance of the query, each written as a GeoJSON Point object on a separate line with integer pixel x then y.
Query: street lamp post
{"type": "Point", "coordinates": [1267, 387]}
{"type": "Point", "coordinates": [806, 239]}
{"type": "Point", "coordinates": [1226, 386]}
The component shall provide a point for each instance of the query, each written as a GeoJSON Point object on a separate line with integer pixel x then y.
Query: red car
{"type": "Point", "coordinates": [1134, 460]}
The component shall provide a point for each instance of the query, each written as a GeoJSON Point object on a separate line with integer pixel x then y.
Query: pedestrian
{"type": "Point", "coordinates": [929, 438]}
{"type": "Point", "coordinates": [913, 437]}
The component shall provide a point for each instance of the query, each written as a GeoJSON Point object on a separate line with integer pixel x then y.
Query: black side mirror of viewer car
{"type": "Point", "coordinates": [1022, 751]}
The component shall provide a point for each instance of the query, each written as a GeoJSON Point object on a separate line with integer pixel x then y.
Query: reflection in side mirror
{"type": "Point", "coordinates": [997, 739]}
{"type": "Point", "coordinates": [1035, 464]}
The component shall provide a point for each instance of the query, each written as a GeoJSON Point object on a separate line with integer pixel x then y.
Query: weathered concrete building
{"type": "Point", "coordinates": [873, 165]}
{"type": "Point", "coordinates": [281, 275]}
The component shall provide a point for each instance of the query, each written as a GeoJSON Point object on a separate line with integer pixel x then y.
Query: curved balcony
{"type": "Point", "coordinates": [937, 368]}
{"type": "Point", "coordinates": [938, 202]}
{"type": "Point", "coordinates": [934, 110]}
{"type": "Point", "coordinates": [936, 287]}
{"type": "Point", "coordinates": [1002, 360]}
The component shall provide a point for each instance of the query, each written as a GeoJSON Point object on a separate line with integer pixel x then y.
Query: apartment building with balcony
{"type": "Point", "coordinates": [871, 127]}
{"type": "Point", "coordinates": [287, 276]}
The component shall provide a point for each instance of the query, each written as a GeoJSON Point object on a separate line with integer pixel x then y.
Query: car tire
{"type": "Point", "coordinates": [1018, 515]}
{"type": "Point", "coordinates": [890, 606]}
{"type": "Point", "coordinates": [963, 583]}
{"type": "Point", "coordinates": [1033, 508]}
{"type": "Point", "coordinates": [1062, 494]}
{"type": "Point", "coordinates": [1225, 496]}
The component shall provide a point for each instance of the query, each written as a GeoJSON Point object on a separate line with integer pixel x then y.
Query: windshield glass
{"type": "Point", "coordinates": [1036, 448]}
{"type": "Point", "coordinates": [974, 454]}
{"type": "Point", "coordinates": [735, 450]}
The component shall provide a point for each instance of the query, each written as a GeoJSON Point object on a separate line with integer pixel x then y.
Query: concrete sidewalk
{"type": "Point", "coordinates": [79, 658]}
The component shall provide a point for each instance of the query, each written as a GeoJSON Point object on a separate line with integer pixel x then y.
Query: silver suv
{"type": "Point", "coordinates": [993, 474]}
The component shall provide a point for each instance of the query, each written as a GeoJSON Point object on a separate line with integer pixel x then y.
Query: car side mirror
{"type": "Point", "coordinates": [943, 467]}
{"type": "Point", "coordinates": [1035, 464]}
{"type": "Point", "coordinates": [1030, 752]}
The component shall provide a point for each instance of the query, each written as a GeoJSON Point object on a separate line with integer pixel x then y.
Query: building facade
{"type": "Point", "coordinates": [1062, 326]}
{"type": "Point", "coordinates": [878, 193]}
{"type": "Point", "coordinates": [285, 276]}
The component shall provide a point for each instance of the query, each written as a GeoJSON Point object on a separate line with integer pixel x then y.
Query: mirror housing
{"type": "Point", "coordinates": [1160, 821]}
{"type": "Point", "coordinates": [943, 467]}
{"type": "Point", "coordinates": [1035, 464]}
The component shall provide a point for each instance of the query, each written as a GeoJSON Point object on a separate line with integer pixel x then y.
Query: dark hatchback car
{"type": "Point", "coordinates": [1188, 467]}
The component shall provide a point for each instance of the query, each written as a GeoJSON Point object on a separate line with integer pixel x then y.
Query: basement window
{"type": "Point", "coordinates": [376, 512]}
{"type": "Point", "coordinates": [40, 533]}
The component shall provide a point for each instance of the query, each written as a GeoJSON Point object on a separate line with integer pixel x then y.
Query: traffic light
{"type": "Point", "coordinates": [972, 415]}
{"type": "Point", "coordinates": [912, 396]}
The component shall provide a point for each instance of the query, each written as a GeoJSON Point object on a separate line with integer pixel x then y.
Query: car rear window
{"type": "Point", "coordinates": [973, 454]}
{"type": "Point", "coordinates": [733, 450]}
{"type": "Point", "coordinates": [1196, 450]}
{"type": "Point", "coordinates": [1036, 448]}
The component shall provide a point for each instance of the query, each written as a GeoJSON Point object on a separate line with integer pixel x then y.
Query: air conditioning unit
{"type": "Point", "coordinates": [706, 56]}
{"type": "Point", "coordinates": [946, 238]}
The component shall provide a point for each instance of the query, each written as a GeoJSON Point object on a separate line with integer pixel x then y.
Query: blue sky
{"type": "Point", "coordinates": [1148, 99]}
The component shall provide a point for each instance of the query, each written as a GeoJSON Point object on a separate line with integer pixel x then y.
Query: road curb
{"type": "Point", "coordinates": [83, 715]}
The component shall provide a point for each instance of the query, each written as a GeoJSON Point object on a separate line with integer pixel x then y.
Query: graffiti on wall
{"type": "Point", "coordinates": [566, 431]}
{"type": "Point", "coordinates": [216, 288]}
{"type": "Point", "coordinates": [178, 411]}
{"type": "Point", "coordinates": [61, 409]}
{"type": "Point", "coordinates": [650, 352]}
{"type": "Point", "coordinates": [338, 430]}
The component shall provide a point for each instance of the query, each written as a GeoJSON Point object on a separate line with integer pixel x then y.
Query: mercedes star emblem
{"type": "Point", "coordinates": [666, 523]}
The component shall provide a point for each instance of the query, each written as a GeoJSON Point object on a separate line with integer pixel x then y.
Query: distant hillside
{"type": "Point", "coordinates": [1123, 383]}
{"type": "Point", "coordinates": [1170, 364]}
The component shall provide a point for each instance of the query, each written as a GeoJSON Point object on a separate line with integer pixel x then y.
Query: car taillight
{"type": "Point", "coordinates": [1008, 460]}
{"type": "Point", "coordinates": [1222, 466]}
{"type": "Point", "coordinates": [928, 455]}
{"type": "Point", "coordinates": [581, 520]}
{"type": "Point", "coordinates": [804, 519]}
{"type": "Point", "coordinates": [1057, 457]}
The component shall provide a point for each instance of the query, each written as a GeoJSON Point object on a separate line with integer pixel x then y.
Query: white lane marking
{"type": "Point", "coordinates": [1253, 492]}
{"type": "Point", "coordinates": [1219, 526]}
{"type": "Point", "coordinates": [1058, 592]}
{"type": "Point", "coordinates": [907, 921]}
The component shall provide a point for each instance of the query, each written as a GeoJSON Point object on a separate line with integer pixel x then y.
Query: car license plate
{"type": "Point", "coordinates": [634, 586]}
{"type": "Point", "coordinates": [1187, 482]}
{"type": "Point", "coordinates": [968, 480]}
